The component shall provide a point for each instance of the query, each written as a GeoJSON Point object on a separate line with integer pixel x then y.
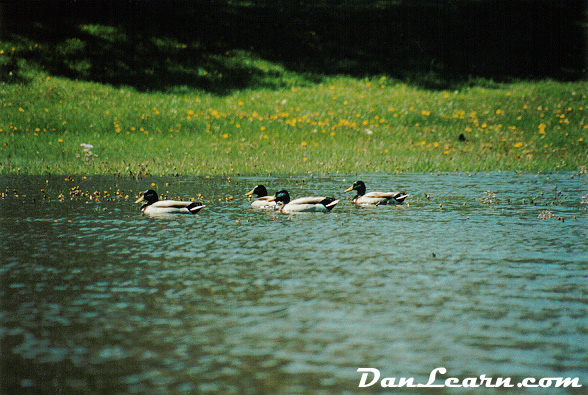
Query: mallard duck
{"type": "Point", "coordinates": [303, 204]}
{"type": "Point", "coordinates": [375, 198]}
{"type": "Point", "coordinates": [263, 201]}
{"type": "Point", "coordinates": [154, 206]}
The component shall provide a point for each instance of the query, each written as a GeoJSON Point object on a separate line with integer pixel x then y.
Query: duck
{"type": "Point", "coordinates": [303, 204]}
{"type": "Point", "coordinates": [154, 206]}
{"type": "Point", "coordinates": [263, 200]}
{"type": "Point", "coordinates": [374, 198]}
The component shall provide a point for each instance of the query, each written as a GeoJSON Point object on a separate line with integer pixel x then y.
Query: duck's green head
{"type": "Point", "coordinates": [259, 190]}
{"type": "Point", "coordinates": [282, 196]}
{"type": "Point", "coordinates": [358, 186]}
{"type": "Point", "coordinates": [149, 196]}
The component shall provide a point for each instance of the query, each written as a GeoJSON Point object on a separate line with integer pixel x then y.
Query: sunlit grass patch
{"type": "Point", "coordinates": [341, 124]}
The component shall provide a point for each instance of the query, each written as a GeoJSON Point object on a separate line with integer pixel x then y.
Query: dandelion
{"type": "Point", "coordinates": [60, 140]}
{"type": "Point", "coordinates": [518, 145]}
{"type": "Point", "coordinates": [303, 144]}
{"type": "Point", "coordinates": [542, 127]}
{"type": "Point", "coordinates": [225, 136]}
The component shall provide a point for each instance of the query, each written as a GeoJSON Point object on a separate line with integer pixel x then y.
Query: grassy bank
{"type": "Point", "coordinates": [337, 125]}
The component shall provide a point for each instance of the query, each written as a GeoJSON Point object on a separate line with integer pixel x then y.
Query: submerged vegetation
{"type": "Point", "coordinates": [103, 94]}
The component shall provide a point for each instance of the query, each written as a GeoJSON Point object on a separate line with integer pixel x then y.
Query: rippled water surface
{"type": "Point", "coordinates": [96, 298]}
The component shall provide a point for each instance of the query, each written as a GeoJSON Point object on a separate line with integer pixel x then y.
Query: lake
{"type": "Point", "coordinates": [482, 274]}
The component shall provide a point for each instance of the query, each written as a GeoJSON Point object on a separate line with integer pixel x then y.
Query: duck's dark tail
{"type": "Point", "coordinates": [329, 203]}
{"type": "Point", "coordinates": [195, 207]}
{"type": "Point", "coordinates": [400, 197]}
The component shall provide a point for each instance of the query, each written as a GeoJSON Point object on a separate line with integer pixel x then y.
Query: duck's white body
{"type": "Point", "coordinates": [171, 207]}
{"type": "Point", "coordinates": [309, 204]}
{"type": "Point", "coordinates": [154, 206]}
{"type": "Point", "coordinates": [375, 198]}
{"type": "Point", "coordinates": [263, 201]}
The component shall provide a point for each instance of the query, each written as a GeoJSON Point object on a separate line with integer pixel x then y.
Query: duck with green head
{"type": "Point", "coordinates": [154, 206]}
{"type": "Point", "coordinates": [374, 198]}
{"type": "Point", "coordinates": [304, 204]}
{"type": "Point", "coordinates": [263, 201]}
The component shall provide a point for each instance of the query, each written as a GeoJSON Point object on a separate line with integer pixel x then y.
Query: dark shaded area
{"type": "Point", "coordinates": [162, 45]}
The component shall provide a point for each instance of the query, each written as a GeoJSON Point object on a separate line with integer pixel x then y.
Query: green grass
{"type": "Point", "coordinates": [168, 93]}
{"type": "Point", "coordinates": [338, 125]}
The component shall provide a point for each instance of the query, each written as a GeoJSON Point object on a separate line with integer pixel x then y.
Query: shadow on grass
{"type": "Point", "coordinates": [221, 46]}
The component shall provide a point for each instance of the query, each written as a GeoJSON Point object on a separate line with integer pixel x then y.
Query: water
{"type": "Point", "coordinates": [99, 299]}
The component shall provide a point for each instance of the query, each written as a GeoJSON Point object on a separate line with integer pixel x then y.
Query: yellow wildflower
{"type": "Point", "coordinates": [542, 127]}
